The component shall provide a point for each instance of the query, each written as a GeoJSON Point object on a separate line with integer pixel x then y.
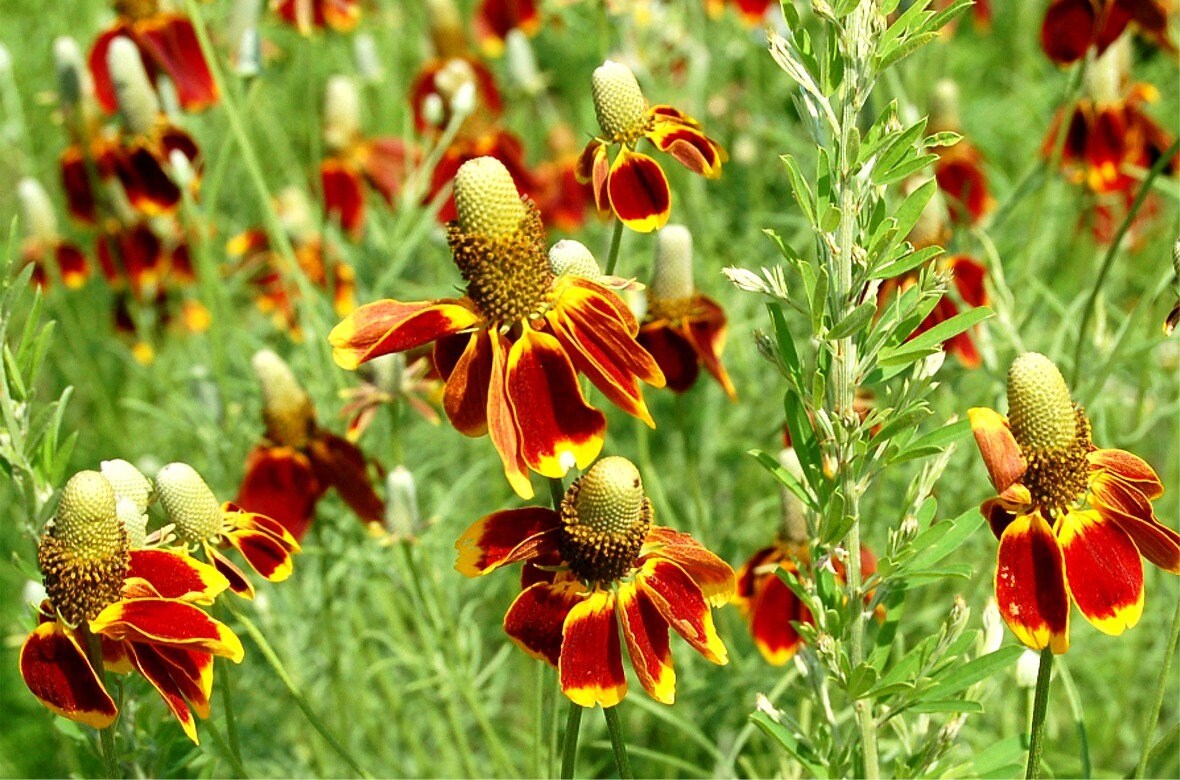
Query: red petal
{"type": "Point", "coordinates": [496, 18]}
{"type": "Point", "coordinates": [344, 197]}
{"type": "Point", "coordinates": [1103, 571]}
{"type": "Point", "coordinates": [148, 186]}
{"type": "Point", "coordinates": [558, 429]}
{"type": "Point", "coordinates": [774, 607]}
{"type": "Point", "coordinates": [379, 328]}
{"type": "Point", "coordinates": [505, 537]}
{"type": "Point", "coordinates": [159, 673]}
{"type": "Point", "coordinates": [638, 192]}
{"type": "Point", "coordinates": [167, 622]}
{"type": "Point", "coordinates": [72, 265]}
{"type": "Point", "coordinates": [1068, 30]}
{"type": "Point", "coordinates": [1030, 584]}
{"type": "Point", "coordinates": [280, 483]}
{"type": "Point", "coordinates": [263, 552]}
{"type": "Point", "coordinates": [501, 421]}
{"type": "Point", "coordinates": [237, 517]}
{"type": "Point", "coordinates": [104, 88]}
{"type": "Point", "coordinates": [1123, 504]}
{"type": "Point", "coordinates": [712, 575]}
{"type": "Point", "coordinates": [750, 574]}
{"type": "Point", "coordinates": [176, 576]}
{"type": "Point", "coordinates": [465, 398]}
{"type": "Point", "coordinates": [238, 582]}
{"type": "Point", "coordinates": [1001, 454]}
{"type": "Point", "coordinates": [171, 42]}
{"type": "Point", "coordinates": [646, 634]}
{"type": "Point", "coordinates": [535, 619]}
{"type": "Point", "coordinates": [1128, 468]}
{"type": "Point", "coordinates": [682, 604]}
{"type": "Point", "coordinates": [673, 354]}
{"type": "Point", "coordinates": [691, 148]}
{"type": "Point", "coordinates": [705, 331]}
{"type": "Point", "coordinates": [56, 669]}
{"type": "Point", "coordinates": [192, 671]}
{"type": "Point", "coordinates": [75, 181]}
{"type": "Point", "coordinates": [386, 162]}
{"type": "Point", "coordinates": [339, 463]}
{"type": "Point", "coordinates": [591, 663]}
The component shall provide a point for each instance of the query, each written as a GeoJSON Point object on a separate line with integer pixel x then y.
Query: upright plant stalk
{"type": "Point", "coordinates": [1160, 691]}
{"type": "Point", "coordinates": [616, 238]}
{"type": "Point", "coordinates": [106, 736]}
{"type": "Point", "coordinates": [1036, 734]}
{"type": "Point", "coordinates": [569, 744]}
{"type": "Point", "coordinates": [617, 743]}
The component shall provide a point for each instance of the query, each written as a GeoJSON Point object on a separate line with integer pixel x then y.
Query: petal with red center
{"type": "Point", "coordinates": [683, 605]}
{"type": "Point", "coordinates": [280, 483]}
{"type": "Point", "coordinates": [505, 537]}
{"type": "Point", "coordinates": [705, 331]}
{"type": "Point", "coordinates": [167, 622]}
{"type": "Point", "coordinates": [172, 43]}
{"type": "Point", "coordinates": [672, 352]}
{"type": "Point", "coordinates": [339, 15]}
{"type": "Point", "coordinates": [344, 197]}
{"type": "Point", "coordinates": [593, 168]}
{"type": "Point", "coordinates": [238, 582]}
{"type": "Point", "coordinates": [386, 162]}
{"type": "Point", "coordinates": [1001, 510]}
{"type": "Point", "coordinates": [535, 620]}
{"type": "Point", "coordinates": [591, 665]}
{"type": "Point", "coordinates": [646, 632]}
{"type": "Point", "coordinates": [638, 191]}
{"type": "Point", "coordinates": [1102, 570]}
{"type": "Point", "coordinates": [387, 326]}
{"type": "Point", "coordinates": [265, 554]}
{"type": "Point", "coordinates": [465, 398]}
{"type": "Point", "coordinates": [1068, 30]}
{"type": "Point", "coordinates": [969, 275]}
{"type": "Point", "coordinates": [664, 113]}
{"type": "Point", "coordinates": [775, 606]}
{"type": "Point", "coordinates": [148, 186]}
{"type": "Point", "coordinates": [56, 670]}
{"type": "Point", "coordinates": [1123, 504]}
{"type": "Point", "coordinates": [104, 87]}
{"type": "Point", "coordinates": [75, 181]}
{"type": "Point", "coordinates": [340, 463]}
{"type": "Point", "coordinates": [1001, 454]}
{"type": "Point", "coordinates": [159, 673]}
{"type": "Point", "coordinates": [501, 421]}
{"type": "Point", "coordinates": [176, 576]}
{"type": "Point", "coordinates": [192, 670]}
{"type": "Point", "coordinates": [496, 18]}
{"type": "Point", "coordinates": [712, 575]}
{"type": "Point", "coordinates": [114, 656]}
{"type": "Point", "coordinates": [749, 576]}
{"type": "Point", "coordinates": [1129, 468]}
{"type": "Point", "coordinates": [558, 429]}
{"type": "Point", "coordinates": [753, 11]}
{"type": "Point", "coordinates": [71, 263]}
{"type": "Point", "coordinates": [237, 517]}
{"type": "Point", "coordinates": [691, 148]}
{"type": "Point", "coordinates": [582, 293]}
{"type": "Point", "coordinates": [1030, 584]}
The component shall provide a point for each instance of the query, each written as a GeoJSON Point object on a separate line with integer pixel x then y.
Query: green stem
{"type": "Point", "coordinates": [106, 737]}
{"type": "Point", "coordinates": [569, 742]}
{"type": "Point", "coordinates": [616, 238]}
{"type": "Point", "coordinates": [1161, 689]}
{"type": "Point", "coordinates": [231, 722]}
{"type": "Point", "coordinates": [1108, 261]}
{"type": "Point", "coordinates": [622, 762]}
{"type": "Point", "coordinates": [1079, 719]}
{"type": "Point", "coordinates": [1036, 734]}
{"type": "Point", "coordinates": [288, 682]}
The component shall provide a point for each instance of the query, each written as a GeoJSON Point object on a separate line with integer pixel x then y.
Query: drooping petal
{"type": "Point", "coordinates": [558, 429]}
{"type": "Point", "coordinates": [959, 173]}
{"type": "Point", "coordinates": [71, 263]}
{"type": "Point", "coordinates": [591, 663]}
{"type": "Point", "coordinates": [239, 583]}
{"type": "Point", "coordinates": [1123, 504]}
{"type": "Point", "coordinates": [501, 420]}
{"type": "Point", "coordinates": [465, 398]}
{"type": "Point", "coordinates": [638, 192]}
{"type": "Point", "coordinates": [96, 61]}
{"type": "Point", "coordinates": [176, 576]}
{"type": "Point", "coordinates": [75, 182]}
{"type": "Point", "coordinates": [386, 164]}
{"type": "Point", "coordinates": [149, 188]}
{"type": "Point", "coordinates": [340, 463]}
{"type": "Point", "coordinates": [55, 668]}
{"type": "Point", "coordinates": [344, 195]}
{"type": "Point", "coordinates": [494, 19]}
{"type": "Point", "coordinates": [266, 555]}
{"type": "Point", "coordinates": [646, 632]}
{"type": "Point", "coordinates": [1068, 30]}
{"type": "Point", "coordinates": [387, 326]}
{"type": "Point", "coordinates": [1001, 454]}
{"type": "Point", "coordinates": [1102, 570]}
{"type": "Point", "coordinates": [169, 622]}
{"type": "Point", "coordinates": [712, 575]}
{"type": "Point", "coordinates": [1001, 510]}
{"type": "Point", "coordinates": [749, 577]}
{"type": "Point", "coordinates": [171, 42]}
{"type": "Point", "coordinates": [505, 537]}
{"type": "Point", "coordinates": [1129, 468]}
{"type": "Point", "coordinates": [237, 517]}
{"type": "Point", "coordinates": [159, 673]}
{"type": "Point", "coordinates": [705, 331]}
{"type": "Point", "coordinates": [691, 148]}
{"type": "Point", "coordinates": [536, 618]}
{"type": "Point", "coordinates": [682, 604]}
{"type": "Point", "coordinates": [593, 168]}
{"type": "Point", "coordinates": [1030, 584]}
{"type": "Point", "coordinates": [279, 482]}
{"type": "Point", "coordinates": [192, 670]}
{"type": "Point", "coordinates": [774, 607]}
{"type": "Point", "coordinates": [673, 354]}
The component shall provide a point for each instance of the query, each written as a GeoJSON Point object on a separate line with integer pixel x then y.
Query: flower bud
{"type": "Point", "coordinates": [401, 504]}
{"type": "Point", "coordinates": [295, 214]}
{"type": "Point", "coordinates": [671, 278]}
{"type": "Point", "coordinates": [944, 107]}
{"type": "Point", "coordinates": [463, 100]}
{"type": "Point", "coordinates": [794, 520]}
{"type": "Point", "coordinates": [73, 79]}
{"type": "Point", "coordinates": [138, 104]}
{"type": "Point", "coordinates": [522, 63]}
{"type": "Point", "coordinates": [1039, 407]}
{"type": "Point", "coordinates": [573, 258]}
{"type": "Point", "coordinates": [993, 628]}
{"type": "Point", "coordinates": [1028, 665]}
{"type": "Point", "coordinates": [286, 406]}
{"type": "Point", "coordinates": [486, 199]}
{"type": "Point", "coordinates": [367, 58]}
{"type": "Point", "coordinates": [619, 103]}
{"type": "Point", "coordinates": [1107, 77]}
{"type": "Point", "coordinates": [189, 503]}
{"type": "Point", "coordinates": [342, 114]}
{"type": "Point", "coordinates": [40, 221]}
{"type": "Point", "coordinates": [134, 522]}
{"type": "Point", "coordinates": [128, 482]}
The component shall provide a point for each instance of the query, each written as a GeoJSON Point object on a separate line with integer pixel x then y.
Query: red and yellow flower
{"type": "Point", "coordinates": [122, 609]}
{"type": "Point", "coordinates": [1071, 27]}
{"type": "Point", "coordinates": [166, 43]}
{"type": "Point", "coordinates": [510, 350]}
{"type": "Point", "coordinates": [199, 520]}
{"type": "Point", "coordinates": [297, 461]}
{"type": "Point", "coordinates": [594, 570]}
{"type": "Point", "coordinates": [682, 329]}
{"type": "Point", "coordinates": [43, 243]}
{"type": "Point", "coordinates": [494, 19]}
{"type": "Point", "coordinates": [633, 186]}
{"type": "Point", "coordinates": [1072, 519]}
{"type": "Point", "coordinates": [752, 12]}
{"type": "Point", "coordinates": [306, 15]}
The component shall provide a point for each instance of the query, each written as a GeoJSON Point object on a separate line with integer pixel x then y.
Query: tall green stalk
{"type": "Point", "coordinates": [1036, 734]}
{"type": "Point", "coordinates": [106, 736]}
{"type": "Point", "coordinates": [617, 742]}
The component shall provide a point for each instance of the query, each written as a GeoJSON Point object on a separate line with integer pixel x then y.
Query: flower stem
{"type": "Point", "coordinates": [1036, 734]}
{"type": "Point", "coordinates": [569, 742]}
{"type": "Point", "coordinates": [622, 762]}
{"type": "Point", "coordinates": [231, 722]}
{"type": "Point", "coordinates": [616, 238]}
{"type": "Point", "coordinates": [106, 737]}
{"type": "Point", "coordinates": [1108, 260]}
{"type": "Point", "coordinates": [1160, 690]}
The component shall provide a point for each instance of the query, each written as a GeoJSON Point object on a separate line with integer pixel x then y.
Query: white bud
{"type": "Point", "coordinates": [672, 275]}
{"type": "Point", "coordinates": [182, 169]}
{"type": "Point", "coordinates": [40, 221]}
{"type": "Point", "coordinates": [993, 628]}
{"type": "Point", "coordinates": [1027, 667]}
{"type": "Point", "coordinates": [572, 257]}
{"type": "Point", "coordinates": [33, 593]}
{"type": "Point", "coordinates": [249, 60]}
{"type": "Point", "coordinates": [295, 214]}
{"type": "Point", "coordinates": [367, 58]}
{"type": "Point", "coordinates": [746, 280]}
{"type": "Point", "coordinates": [342, 113]}
{"type": "Point", "coordinates": [433, 109]}
{"type": "Point", "coordinates": [463, 101]}
{"type": "Point", "coordinates": [522, 63]}
{"type": "Point", "coordinates": [73, 78]}
{"type": "Point", "coordinates": [402, 519]}
{"type": "Point", "coordinates": [5, 61]}
{"type": "Point", "coordinates": [128, 482]}
{"type": "Point", "coordinates": [138, 103]}
{"type": "Point", "coordinates": [134, 521]}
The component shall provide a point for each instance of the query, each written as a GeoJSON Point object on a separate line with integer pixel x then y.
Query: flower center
{"type": "Point", "coordinates": [83, 554]}
{"type": "Point", "coordinates": [189, 503]}
{"type": "Point", "coordinates": [1052, 431]}
{"type": "Point", "coordinates": [619, 103]}
{"type": "Point", "coordinates": [286, 407]}
{"type": "Point", "coordinates": [605, 516]}
{"type": "Point", "coordinates": [498, 243]}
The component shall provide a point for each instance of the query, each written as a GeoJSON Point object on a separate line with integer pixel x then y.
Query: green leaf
{"type": "Point", "coordinates": [903, 144]}
{"type": "Point", "coordinates": [910, 210]}
{"type": "Point", "coordinates": [961, 677]}
{"type": "Point", "coordinates": [944, 435]}
{"type": "Point", "coordinates": [786, 344]}
{"type": "Point", "coordinates": [799, 188]}
{"type": "Point", "coordinates": [861, 681]}
{"type": "Point", "coordinates": [904, 169]}
{"type": "Point", "coordinates": [950, 705]}
{"type": "Point", "coordinates": [854, 322]}
{"type": "Point", "coordinates": [944, 138]}
{"type": "Point", "coordinates": [816, 299]}
{"type": "Point", "coordinates": [949, 328]}
{"type": "Point", "coordinates": [786, 478]}
{"type": "Point", "coordinates": [791, 743]}
{"type": "Point", "coordinates": [908, 419]}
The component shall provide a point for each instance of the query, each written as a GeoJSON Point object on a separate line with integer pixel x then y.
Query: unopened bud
{"type": "Point", "coordinates": [573, 258]}
{"type": "Point", "coordinates": [522, 63]}
{"type": "Point", "coordinates": [73, 78]}
{"type": "Point", "coordinates": [993, 628]}
{"type": "Point", "coordinates": [401, 504]}
{"type": "Point", "coordinates": [794, 521]}
{"type": "Point", "coordinates": [463, 100]}
{"type": "Point", "coordinates": [433, 109]}
{"type": "Point", "coordinates": [138, 104]}
{"type": "Point", "coordinates": [619, 103]}
{"type": "Point", "coordinates": [944, 107]}
{"type": "Point", "coordinates": [128, 482]}
{"type": "Point", "coordinates": [286, 406]}
{"type": "Point", "coordinates": [1027, 667]}
{"type": "Point", "coordinates": [1107, 77]}
{"type": "Point", "coordinates": [367, 58]}
{"type": "Point", "coordinates": [486, 200]}
{"type": "Point", "coordinates": [40, 221]}
{"type": "Point", "coordinates": [189, 503]}
{"type": "Point", "coordinates": [134, 522]}
{"type": "Point", "coordinates": [295, 214]}
{"type": "Point", "coordinates": [671, 278]}
{"type": "Point", "coordinates": [342, 113]}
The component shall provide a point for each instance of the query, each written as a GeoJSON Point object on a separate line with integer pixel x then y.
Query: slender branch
{"type": "Point", "coordinates": [622, 762]}
{"type": "Point", "coordinates": [616, 238]}
{"type": "Point", "coordinates": [1161, 689]}
{"type": "Point", "coordinates": [1036, 735]}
